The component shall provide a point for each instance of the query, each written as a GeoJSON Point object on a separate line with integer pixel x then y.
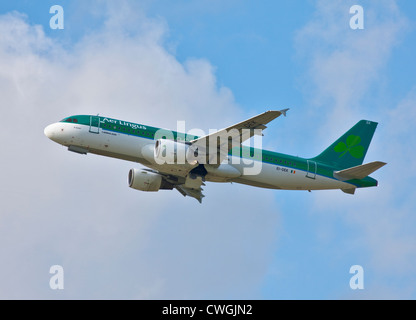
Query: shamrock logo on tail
{"type": "Point", "coordinates": [352, 146]}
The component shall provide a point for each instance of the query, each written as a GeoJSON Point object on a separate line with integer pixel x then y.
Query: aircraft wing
{"type": "Point", "coordinates": [233, 135]}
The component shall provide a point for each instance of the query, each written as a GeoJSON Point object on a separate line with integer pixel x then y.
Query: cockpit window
{"type": "Point", "coordinates": [77, 119]}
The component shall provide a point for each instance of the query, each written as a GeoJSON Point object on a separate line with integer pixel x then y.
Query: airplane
{"type": "Point", "coordinates": [218, 156]}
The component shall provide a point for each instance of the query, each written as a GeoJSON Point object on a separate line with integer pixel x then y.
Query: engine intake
{"type": "Point", "coordinates": [147, 181]}
{"type": "Point", "coordinates": [172, 152]}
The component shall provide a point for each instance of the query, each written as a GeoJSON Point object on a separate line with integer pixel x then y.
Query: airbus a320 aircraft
{"type": "Point", "coordinates": [184, 162]}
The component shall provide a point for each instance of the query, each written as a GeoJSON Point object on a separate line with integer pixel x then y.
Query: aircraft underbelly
{"type": "Point", "coordinates": [277, 177]}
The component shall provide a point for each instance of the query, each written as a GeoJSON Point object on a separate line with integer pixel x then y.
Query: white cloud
{"type": "Point", "coordinates": [344, 67]}
{"type": "Point", "coordinates": [343, 64]}
{"type": "Point", "coordinates": [77, 211]}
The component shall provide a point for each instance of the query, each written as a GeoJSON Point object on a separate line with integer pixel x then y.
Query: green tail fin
{"type": "Point", "coordinates": [349, 150]}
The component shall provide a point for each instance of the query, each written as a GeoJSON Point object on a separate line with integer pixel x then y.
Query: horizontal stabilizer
{"type": "Point", "coordinates": [358, 172]}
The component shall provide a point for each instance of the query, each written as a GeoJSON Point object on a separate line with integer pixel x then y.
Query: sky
{"type": "Point", "coordinates": [211, 64]}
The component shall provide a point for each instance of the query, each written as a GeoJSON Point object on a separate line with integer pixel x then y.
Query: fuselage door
{"type": "Point", "coordinates": [311, 173]}
{"type": "Point", "coordinates": [95, 124]}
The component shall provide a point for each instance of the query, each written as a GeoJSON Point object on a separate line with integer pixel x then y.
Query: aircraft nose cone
{"type": "Point", "coordinates": [49, 131]}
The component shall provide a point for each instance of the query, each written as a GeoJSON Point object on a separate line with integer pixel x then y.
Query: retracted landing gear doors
{"type": "Point", "coordinates": [95, 124]}
{"type": "Point", "coordinates": [311, 173]}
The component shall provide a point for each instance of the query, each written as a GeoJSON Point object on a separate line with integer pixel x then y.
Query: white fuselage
{"type": "Point", "coordinates": [138, 149]}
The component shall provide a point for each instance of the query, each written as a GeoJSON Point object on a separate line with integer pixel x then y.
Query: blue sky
{"type": "Point", "coordinates": [210, 64]}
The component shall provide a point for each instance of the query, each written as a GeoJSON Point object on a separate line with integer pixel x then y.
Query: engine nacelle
{"type": "Point", "coordinates": [147, 181]}
{"type": "Point", "coordinates": [171, 152]}
{"type": "Point", "coordinates": [224, 170]}
{"type": "Point", "coordinates": [222, 173]}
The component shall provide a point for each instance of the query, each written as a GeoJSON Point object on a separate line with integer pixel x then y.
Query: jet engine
{"type": "Point", "coordinates": [172, 152]}
{"type": "Point", "coordinates": [147, 181]}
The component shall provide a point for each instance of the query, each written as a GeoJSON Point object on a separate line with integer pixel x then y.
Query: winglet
{"type": "Point", "coordinates": [284, 111]}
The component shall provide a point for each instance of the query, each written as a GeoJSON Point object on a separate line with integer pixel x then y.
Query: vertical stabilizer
{"type": "Point", "coordinates": [350, 149]}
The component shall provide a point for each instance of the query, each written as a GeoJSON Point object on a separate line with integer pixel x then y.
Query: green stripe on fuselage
{"type": "Point", "coordinates": [269, 157]}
